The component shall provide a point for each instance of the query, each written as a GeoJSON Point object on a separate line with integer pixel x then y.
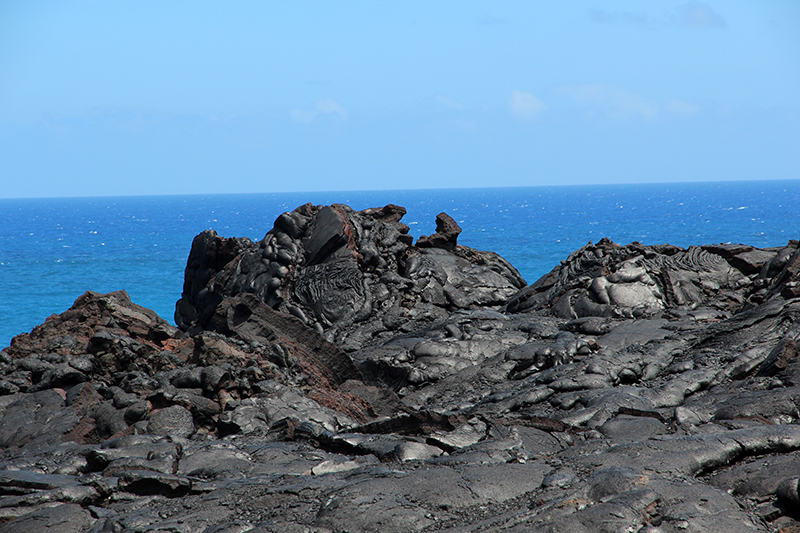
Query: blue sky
{"type": "Point", "coordinates": [169, 97]}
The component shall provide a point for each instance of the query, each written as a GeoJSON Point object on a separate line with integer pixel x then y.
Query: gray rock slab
{"type": "Point", "coordinates": [39, 418]}
{"type": "Point", "coordinates": [758, 477]}
{"type": "Point", "coordinates": [215, 460]}
{"type": "Point", "coordinates": [416, 500]}
{"type": "Point", "coordinates": [624, 428]}
{"type": "Point", "coordinates": [65, 518]}
{"type": "Point", "coordinates": [694, 454]}
{"type": "Point", "coordinates": [28, 481]}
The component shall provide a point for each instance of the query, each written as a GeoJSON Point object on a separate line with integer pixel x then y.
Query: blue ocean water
{"type": "Point", "coordinates": [53, 250]}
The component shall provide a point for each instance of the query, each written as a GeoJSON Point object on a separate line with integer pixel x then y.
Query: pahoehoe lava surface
{"type": "Point", "coordinates": [336, 376]}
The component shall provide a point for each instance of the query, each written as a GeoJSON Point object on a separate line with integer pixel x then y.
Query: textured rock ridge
{"type": "Point", "coordinates": [354, 276]}
{"type": "Point", "coordinates": [337, 377]}
{"type": "Point", "coordinates": [607, 279]}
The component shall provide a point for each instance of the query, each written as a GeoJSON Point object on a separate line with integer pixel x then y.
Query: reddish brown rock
{"type": "Point", "coordinates": [85, 432]}
{"type": "Point", "coordinates": [302, 351]}
{"type": "Point", "coordinates": [104, 323]}
{"type": "Point", "coordinates": [446, 236]}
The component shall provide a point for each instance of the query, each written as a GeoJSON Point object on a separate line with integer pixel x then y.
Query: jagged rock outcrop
{"type": "Point", "coordinates": [634, 388]}
{"type": "Point", "coordinates": [354, 276]}
{"type": "Point", "coordinates": [609, 280]}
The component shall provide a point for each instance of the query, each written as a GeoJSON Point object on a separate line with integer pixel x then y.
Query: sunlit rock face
{"type": "Point", "coordinates": [609, 280]}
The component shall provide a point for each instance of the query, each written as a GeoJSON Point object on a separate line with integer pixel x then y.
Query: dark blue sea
{"type": "Point", "coordinates": [53, 250]}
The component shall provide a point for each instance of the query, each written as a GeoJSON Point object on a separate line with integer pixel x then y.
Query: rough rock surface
{"type": "Point", "coordinates": [353, 276]}
{"type": "Point", "coordinates": [337, 377]}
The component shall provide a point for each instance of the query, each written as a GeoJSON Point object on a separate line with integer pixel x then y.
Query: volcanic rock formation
{"type": "Point", "coordinates": [338, 377]}
{"type": "Point", "coordinates": [354, 276]}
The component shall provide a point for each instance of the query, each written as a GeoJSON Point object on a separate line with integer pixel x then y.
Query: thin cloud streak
{"type": "Point", "coordinates": [525, 105]}
{"type": "Point", "coordinates": [690, 15]}
{"type": "Point", "coordinates": [697, 15]}
{"type": "Point", "coordinates": [615, 102]}
{"type": "Point", "coordinates": [326, 106]}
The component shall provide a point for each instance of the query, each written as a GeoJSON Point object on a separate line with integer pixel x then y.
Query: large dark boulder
{"type": "Point", "coordinates": [354, 276]}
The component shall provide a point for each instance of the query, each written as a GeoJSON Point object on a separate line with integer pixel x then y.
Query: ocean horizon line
{"type": "Point", "coordinates": [413, 189]}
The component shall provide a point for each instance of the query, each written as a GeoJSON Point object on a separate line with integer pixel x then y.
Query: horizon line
{"type": "Point", "coordinates": [389, 190]}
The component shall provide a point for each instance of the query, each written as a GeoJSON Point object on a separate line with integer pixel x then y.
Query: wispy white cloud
{"type": "Point", "coordinates": [691, 15]}
{"type": "Point", "coordinates": [326, 106]}
{"type": "Point", "coordinates": [329, 105]}
{"type": "Point", "coordinates": [679, 107]}
{"type": "Point", "coordinates": [697, 15]}
{"type": "Point", "coordinates": [616, 17]}
{"type": "Point", "coordinates": [525, 105]}
{"type": "Point", "coordinates": [466, 125]}
{"type": "Point", "coordinates": [613, 101]}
